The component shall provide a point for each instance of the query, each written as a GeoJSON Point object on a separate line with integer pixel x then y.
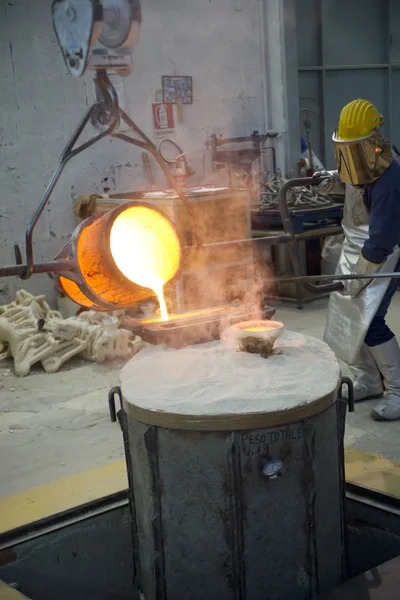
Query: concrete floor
{"type": "Point", "coordinates": [56, 425]}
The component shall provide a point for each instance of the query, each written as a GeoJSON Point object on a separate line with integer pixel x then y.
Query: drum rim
{"type": "Point", "coordinates": [234, 421]}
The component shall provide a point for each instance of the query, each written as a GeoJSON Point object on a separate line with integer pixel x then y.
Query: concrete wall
{"type": "Point", "coordinates": [218, 42]}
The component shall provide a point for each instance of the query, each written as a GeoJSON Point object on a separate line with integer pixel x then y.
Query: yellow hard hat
{"type": "Point", "coordinates": [358, 120]}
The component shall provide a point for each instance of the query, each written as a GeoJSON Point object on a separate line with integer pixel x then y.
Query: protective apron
{"type": "Point", "coordinates": [349, 318]}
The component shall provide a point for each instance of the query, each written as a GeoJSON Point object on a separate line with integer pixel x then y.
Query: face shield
{"type": "Point", "coordinates": [362, 161]}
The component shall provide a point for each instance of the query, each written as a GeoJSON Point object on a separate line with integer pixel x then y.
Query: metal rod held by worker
{"type": "Point", "coordinates": [339, 278]}
{"type": "Point", "coordinates": [270, 240]}
{"type": "Point", "coordinates": [55, 266]}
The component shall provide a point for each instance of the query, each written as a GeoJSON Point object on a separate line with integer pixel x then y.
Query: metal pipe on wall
{"type": "Point", "coordinates": [290, 78]}
{"type": "Point", "coordinates": [273, 75]}
{"type": "Point", "coordinates": [264, 54]}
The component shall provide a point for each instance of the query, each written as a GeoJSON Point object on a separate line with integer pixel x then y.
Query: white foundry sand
{"type": "Point", "coordinates": [208, 380]}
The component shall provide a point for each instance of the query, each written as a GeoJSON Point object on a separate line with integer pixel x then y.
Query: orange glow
{"type": "Point", "coordinates": [163, 305]}
{"type": "Point", "coordinates": [124, 257]}
{"type": "Point", "coordinates": [70, 288]}
{"type": "Point", "coordinates": [146, 249]}
{"type": "Point", "coordinates": [259, 328]}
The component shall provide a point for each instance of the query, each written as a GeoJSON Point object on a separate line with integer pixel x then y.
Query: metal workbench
{"type": "Point", "coordinates": [303, 219]}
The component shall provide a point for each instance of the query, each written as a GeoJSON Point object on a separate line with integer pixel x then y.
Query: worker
{"type": "Point", "coordinates": [356, 329]}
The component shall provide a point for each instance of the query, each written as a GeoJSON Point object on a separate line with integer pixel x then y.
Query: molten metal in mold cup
{"type": "Point", "coordinates": [252, 336]}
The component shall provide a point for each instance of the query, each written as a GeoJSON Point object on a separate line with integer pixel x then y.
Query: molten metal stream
{"type": "Point", "coordinates": [146, 250]}
{"type": "Point", "coordinates": [161, 300]}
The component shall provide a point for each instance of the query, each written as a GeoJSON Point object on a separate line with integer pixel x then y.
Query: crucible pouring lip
{"type": "Point", "coordinates": [104, 241]}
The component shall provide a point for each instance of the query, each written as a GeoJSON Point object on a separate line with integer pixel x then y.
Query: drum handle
{"type": "Point", "coordinates": [347, 381]}
{"type": "Point", "coordinates": [115, 391]}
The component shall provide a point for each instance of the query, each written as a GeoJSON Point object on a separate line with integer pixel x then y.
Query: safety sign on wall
{"type": "Point", "coordinates": [163, 119]}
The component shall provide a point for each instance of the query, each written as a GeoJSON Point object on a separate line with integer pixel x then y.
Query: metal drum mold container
{"type": "Point", "coordinates": [236, 471]}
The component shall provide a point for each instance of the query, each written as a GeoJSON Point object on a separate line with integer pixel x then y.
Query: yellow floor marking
{"type": "Point", "coordinates": [373, 472]}
{"type": "Point", "coordinates": [61, 495]}
{"type": "Point", "coordinates": [7, 593]}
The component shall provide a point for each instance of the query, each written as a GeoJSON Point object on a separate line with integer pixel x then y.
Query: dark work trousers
{"type": "Point", "coordinates": [378, 332]}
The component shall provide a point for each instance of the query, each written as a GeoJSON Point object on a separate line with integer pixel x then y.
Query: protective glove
{"type": "Point", "coordinates": [353, 287]}
{"type": "Point", "coordinates": [331, 185]}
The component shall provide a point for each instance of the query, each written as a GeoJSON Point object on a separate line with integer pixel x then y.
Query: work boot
{"type": "Point", "coordinates": [366, 377]}
{"type": "Point", "coordinates": [387, 357]}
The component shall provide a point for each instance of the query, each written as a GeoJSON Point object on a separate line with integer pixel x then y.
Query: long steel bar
{"type": "Point", "coordinates": [270, 240]}
{"type": "Point", "coordinates": [337, 277]}
{"type": "Point", "coordinates": [55, 266]}
{"type": "Point", "coordinates": [61, 266]}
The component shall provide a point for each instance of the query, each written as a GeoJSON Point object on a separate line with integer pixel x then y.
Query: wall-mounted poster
{"type": "Point", "coordinates": [177, 88]}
